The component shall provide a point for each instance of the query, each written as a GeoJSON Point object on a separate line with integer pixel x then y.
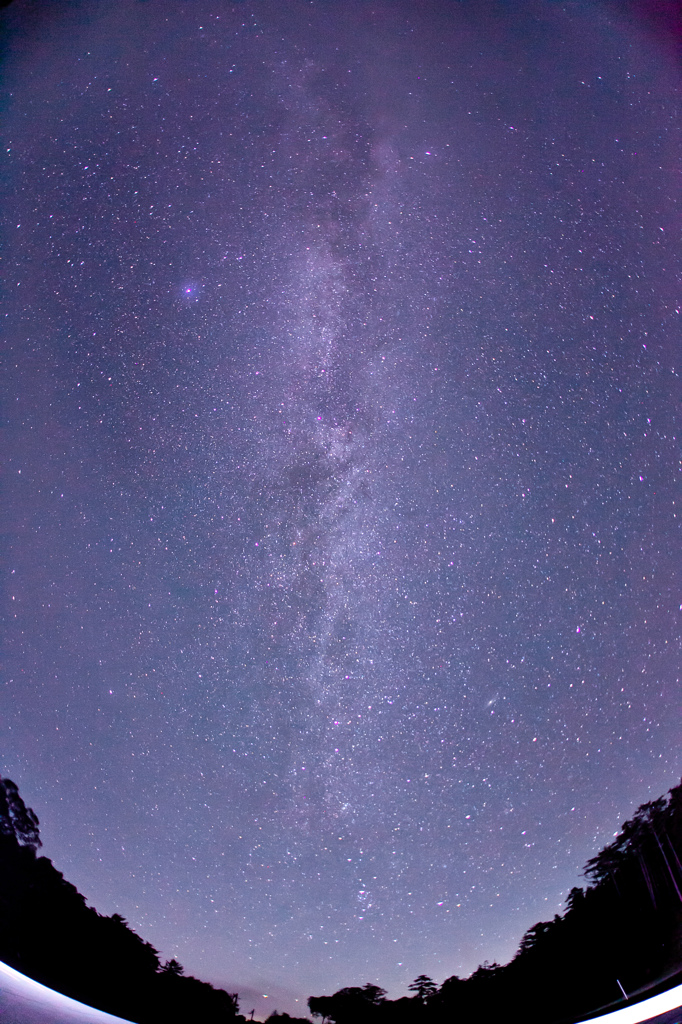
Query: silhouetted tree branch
{"type": "Point", "coordinates": [622, 931]}
{"type": "Point", "coordinates": [49, 933]}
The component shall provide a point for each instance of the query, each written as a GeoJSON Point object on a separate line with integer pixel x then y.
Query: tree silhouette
{"type": "Point", "coordinates": [50, 934]}
{"type": "Point", "coordinates": [16, 819]}
{"type": "Point", "coordinates": [423, 987]}
{"type": "Point", "coordinates": [284, 1018]}
{"type": "Point", "coordinates": [621, 933]}
{"type": "Point", "coordinates": [373, 994]}
{"type": "Point", "coordinates": [348, 1005]}
{"type": "Point", "coordinates": [173, 967]}
{"type": "Point", "coordinates": [575, 898]}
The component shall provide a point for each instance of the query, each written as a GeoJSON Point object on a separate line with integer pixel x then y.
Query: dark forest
{"type": "Point", "coordinates": [619, 938]}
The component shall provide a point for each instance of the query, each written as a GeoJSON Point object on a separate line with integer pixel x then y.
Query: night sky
{"type": "Point", "coordinates": [342, 356]}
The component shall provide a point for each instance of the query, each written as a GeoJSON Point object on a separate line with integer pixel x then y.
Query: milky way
{"type": "Point", "coordinates": [342, 560]}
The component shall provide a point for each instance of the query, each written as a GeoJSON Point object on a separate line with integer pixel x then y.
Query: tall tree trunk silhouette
{"type": "Point", "coordinates": [667, 864]}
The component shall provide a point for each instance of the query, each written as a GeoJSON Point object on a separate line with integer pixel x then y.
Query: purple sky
{"type": "Point", "coordinates": [342, 568]}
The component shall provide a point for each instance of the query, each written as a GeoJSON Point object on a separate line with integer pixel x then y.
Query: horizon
{"type": "Point", "coordinates": [28, 834]}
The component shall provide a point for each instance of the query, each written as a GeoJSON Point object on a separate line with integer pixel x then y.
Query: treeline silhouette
{"type": "Point", "coordinates": [620, 938]}
{"type": "Point", "coordinates": [49, 933]}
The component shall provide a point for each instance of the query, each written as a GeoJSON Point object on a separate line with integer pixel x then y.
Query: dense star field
{"type": "Point", "coordinates": [342, 566]}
